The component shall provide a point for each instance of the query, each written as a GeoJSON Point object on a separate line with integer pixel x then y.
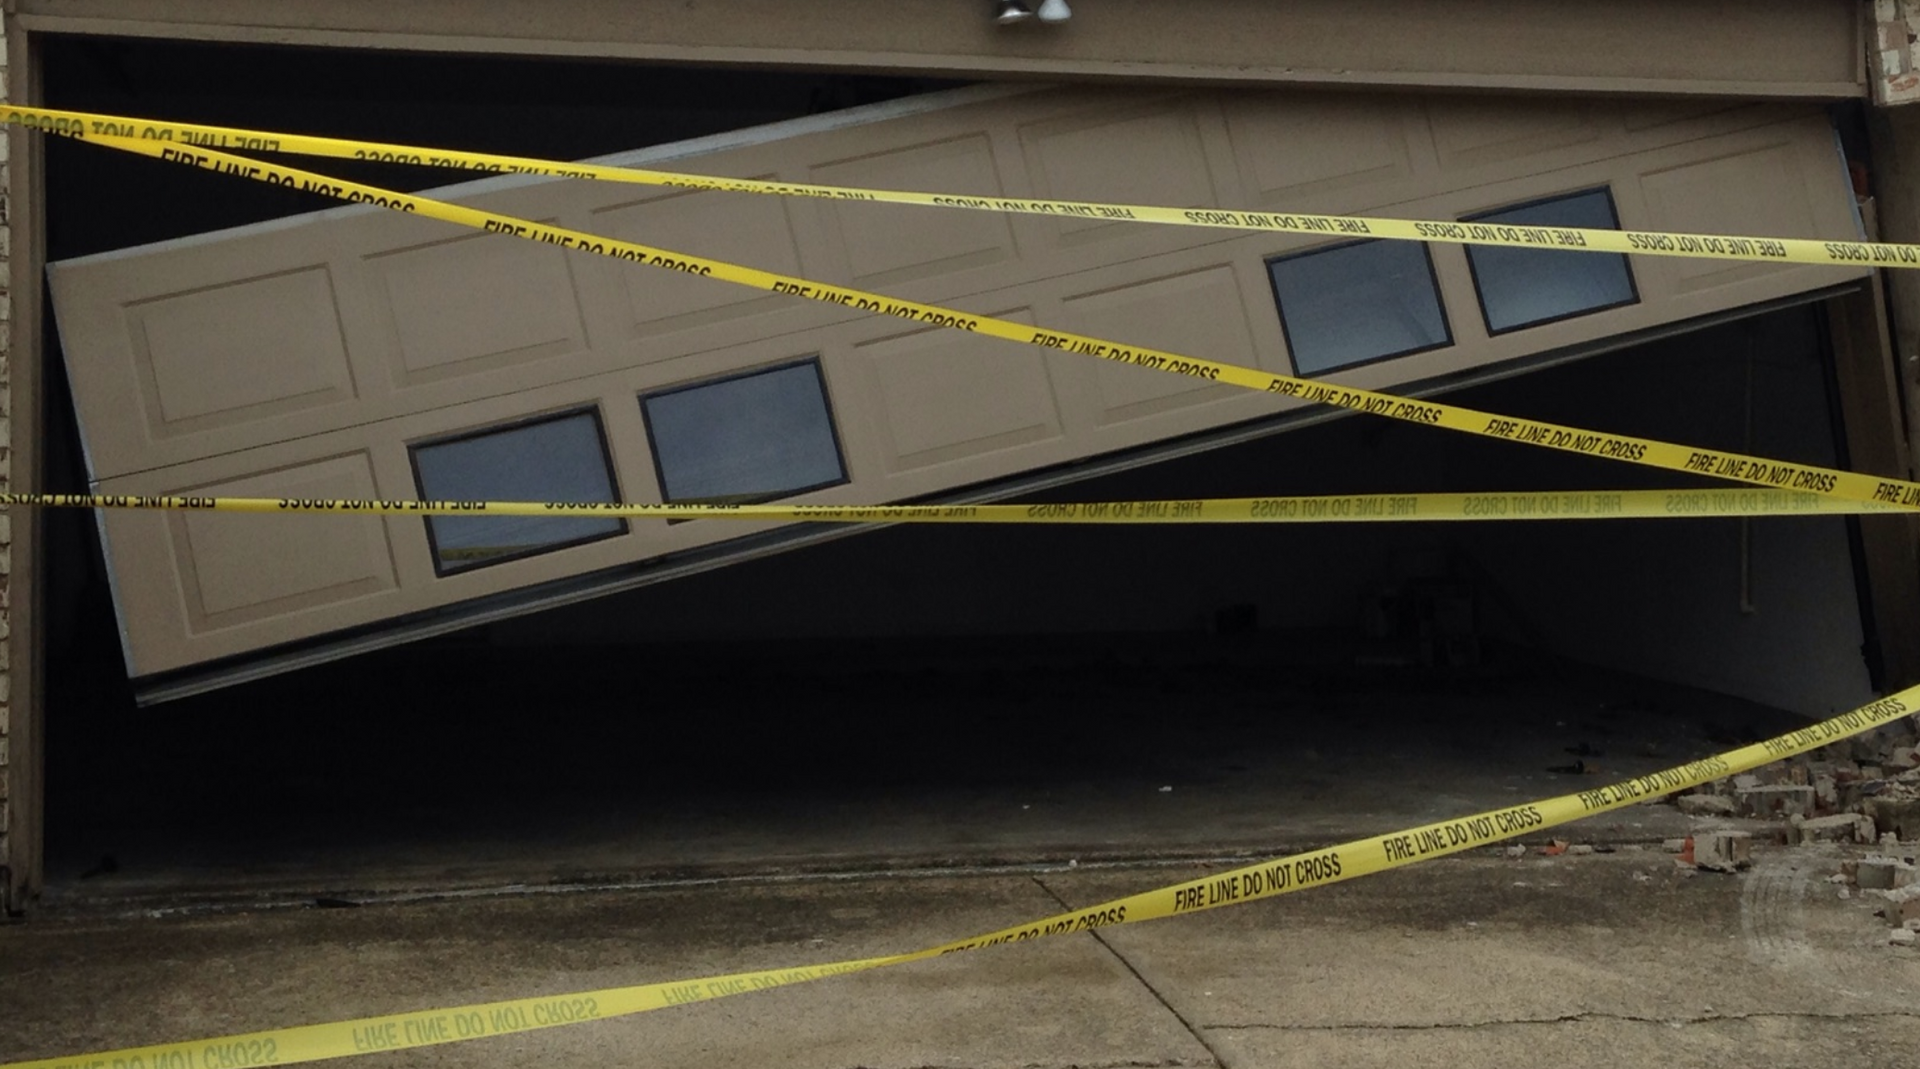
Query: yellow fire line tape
{"type": "Point", "coordinates": [91, 126]}
{"type": "Point", "coordinates": [1333, 508]}
{"type": "Point", "coordinates": [1266, 879]}
{"type": "Point", "coordinates": [1780, 475]}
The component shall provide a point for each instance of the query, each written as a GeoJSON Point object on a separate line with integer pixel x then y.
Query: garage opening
{"type": "Point", "coordinates": [967, 695]}
{"type": "Point", "coordinates": [931, 697]}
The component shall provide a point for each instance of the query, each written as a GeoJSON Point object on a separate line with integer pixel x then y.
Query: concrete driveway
{"type": "Point", "coordinates": [1572, 961]}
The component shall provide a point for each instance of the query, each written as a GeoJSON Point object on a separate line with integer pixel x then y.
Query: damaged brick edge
{"type": "Point", "coordinates": [1856, 790]}
{"type": "Point", "coordinates": [6, 483]}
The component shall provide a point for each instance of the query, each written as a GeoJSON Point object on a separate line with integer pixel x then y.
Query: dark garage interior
{"type": "Point", "coordinates": [929, 696]}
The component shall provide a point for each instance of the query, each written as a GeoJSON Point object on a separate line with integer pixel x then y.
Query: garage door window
{"type": "Point", "coordinates": [1527, 287]}
{"type": "Point", "coordinates": [1353, 304]}
{"type": "Point", "coordinates": [558, 458]}
{"type": "Point", "coordinates": [754, 437]}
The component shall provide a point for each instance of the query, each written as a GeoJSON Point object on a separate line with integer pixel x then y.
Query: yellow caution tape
{"type": "Point", "coordinates": [1327, 508]}
{"type": "Point", "coordinates": [1249, 883]}
{"type": "Point", "coordinates": [92, 126]}
{"type": "Point", "coordinates": [1740, 467]}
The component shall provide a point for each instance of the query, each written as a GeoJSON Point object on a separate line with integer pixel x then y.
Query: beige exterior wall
{"type": "Point", "coordinates": [1764, 49]}
{"type": "Point", "coordinates": [301, 358]}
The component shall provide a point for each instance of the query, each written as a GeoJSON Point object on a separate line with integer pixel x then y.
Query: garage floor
{"type": "Point", "coordinates": [434, 772]}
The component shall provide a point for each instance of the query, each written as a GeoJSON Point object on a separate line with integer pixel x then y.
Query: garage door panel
{"type": "Point", "coordinates": [1470, 135]}
{"type": "Point", "coordinates": [218, 573]}
{"type": "Point", "coordinates": [471, 303]}
{"type": "Point", "coordinates": [947, 396]}
{"type": "Point", "coordinates": [1197, 312]}
{"type": "Point", "coordinates": [1274, 173]}
{"type": "Point", "coordinates": [246, 344]}
{"type": "Point", "coordinates": [249, 350]}
{"type": "Point", "coordinates": [885, 245]}
{"type": "Point", "coordinates": [755, 231]}
{"type": "Point", "coordinates": [308, 358]}
{"type": "Point", "coordinates": [1717, 197]}
{"type": "Point", "coordinates": [236, 568]}
{"type": "Point", "coordinates": [1128, 155]}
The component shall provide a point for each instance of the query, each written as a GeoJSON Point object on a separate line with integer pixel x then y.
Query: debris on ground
{"type": "Point", "coordinates": [1857, 790]}
{"type": "Point", "coordinates": [1839, 828]}
{"type": "Point", "coordinates": [1782, 800]}
{"type": "Point", "coordinates": [1723, 851]}
{"type": "Point", "coordinates": [1863, 792]}
{"type": "Point", "coordinates": [1705, 805]}
{"type": "Point", "coordinates": [1879, 873]}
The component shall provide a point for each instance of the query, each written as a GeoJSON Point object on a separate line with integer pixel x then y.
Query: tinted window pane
{"type": "Point", "coordinates": [562, 459]}
{"type": "Point", "coordinates": [753, 438]}
{"type": "Point", "coordinates": [1354, 303]}
{"type": "Point", "coordinates": [1522, 287]}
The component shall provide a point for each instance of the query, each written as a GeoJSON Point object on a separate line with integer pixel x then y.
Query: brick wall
{"type": "Point", "coordinates": [6, 467]}
{"type": "Point", "coordinates": [1893, 61]}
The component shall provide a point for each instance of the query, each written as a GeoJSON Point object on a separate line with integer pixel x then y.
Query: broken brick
{"type": "Point", "coordinates": [1900, 816]}
{"type": "Point", "coordinates": [1881, 873]}
{"type": "Point", "coordinates": [1705, 805]}
{"type": "Point", "coordinates": [1778, 800]}
{"type": "Point", "coordinates": [1723, 851]}
{"type": "Point", "coordinates": [1905, 913]}
{"type": "Point", "coordinates": [1826, 791]}
{"type": "Point", "coordinates": [1843, 828]}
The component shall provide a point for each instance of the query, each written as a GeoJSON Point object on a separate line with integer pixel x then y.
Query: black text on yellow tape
{"type": "Point", "coordinates": [88, 125]}
{"type": "Point", "coordinates": [1329, 508]}
{"type": "Point", "coordinates": [1777, 474]}
{"type": "Point", "coordinates": [1249, 883]}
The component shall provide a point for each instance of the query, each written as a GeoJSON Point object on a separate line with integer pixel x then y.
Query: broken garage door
{"type": "Point", "coordinates": [355, 353]}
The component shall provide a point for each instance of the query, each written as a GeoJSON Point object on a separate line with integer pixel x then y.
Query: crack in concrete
{"type": "Point", "coordinates": [1192, 1030]}
{"type": "Point", "coordinates": [1564, 1019]}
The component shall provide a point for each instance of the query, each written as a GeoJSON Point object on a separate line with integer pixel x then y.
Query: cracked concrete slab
{"type": "Point", "coordinates": [1615, 950]}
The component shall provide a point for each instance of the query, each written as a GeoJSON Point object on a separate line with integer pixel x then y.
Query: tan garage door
{"type": "Point", "coordinates": [355, 353]}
